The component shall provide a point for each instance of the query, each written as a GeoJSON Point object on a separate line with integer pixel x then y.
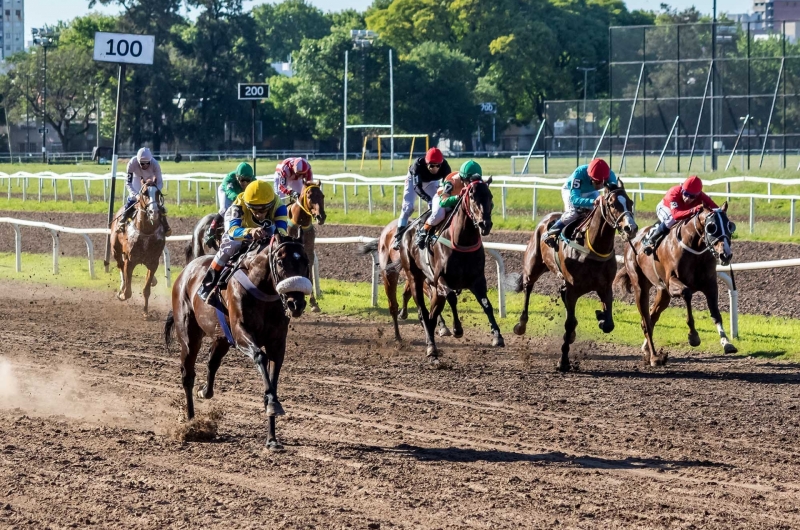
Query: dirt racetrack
{"type": "Point", "coordinates": [375, 438]}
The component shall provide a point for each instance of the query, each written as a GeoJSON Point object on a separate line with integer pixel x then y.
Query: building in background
{"type": "Point", "coordinates": [775, 12]}
{"type": "Point", "coordinates": [12, 32]}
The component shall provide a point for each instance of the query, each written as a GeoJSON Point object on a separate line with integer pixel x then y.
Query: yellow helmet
{"type": "Point", "coordinates": [259, 193]}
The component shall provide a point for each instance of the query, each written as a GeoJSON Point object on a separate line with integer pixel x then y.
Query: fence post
{"type": "Point", "coordinates": [375, 278]}
{"type": "Point", "coordinates": [501, 274]}
{"type": "Point", "coordinates": [791, 218]}
{"type": "Point", "coordinates": [179, 192]}
{"type": "Point", "coordinates": [503, 201]}
{"type": "Point", "coordinates": [167, 266]}
{"type": "Point", "coordinates": [197, 194]}
{"type": "Point", "coordinates": [641, 195]}
{"type": "Point", "coordinates": [533, 208]}
{"type": "Point", "coordinates": [728, 189]}
{"type": "Point", "coordinates": [9, 188]}
{"type": "Point", "coordinates": [369, 197]}
{"type": "Point", "coordinates": [394, 201]}
{"type": "Point", "coordinates": [752, 213]}
{"type": "Point", "coordinates": [315, 275]}
{"type": "Point", "coordinates": [90, 254]}
{"type": "Point", "coordinates": [105, 194]}
{"type": "Point", "coordinates": [769, 192]}
{"type": "Point", "coordinates": [17, 247]}
{"type": "Point", "coordinates": [344, 197]}
{"type": "Point", "coordinates": [55, 250]}
{"type": "Point", "coordinates": [40, 189]}
{"type": "Point", "coordinates": [55, 190]}
{"type": "Point", "coordinates": [88, 195]}
{"type": "Point", "coordinates": [71, 191]}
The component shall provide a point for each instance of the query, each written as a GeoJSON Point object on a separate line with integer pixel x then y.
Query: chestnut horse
{"type": "Point", "coordinates": [267, 288]}
{"type": "Point", "coordinates": [583, 269]}
{"type": "Point", "coordinates": [445, 267]}
{"type": "Point", "coordinates": [142, 242]}
{"type": "Point", "coordinates": [683, 264]}
{"type": "Point", "coordinates": [310, 206]}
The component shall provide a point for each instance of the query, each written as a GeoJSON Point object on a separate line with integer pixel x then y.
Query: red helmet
{"type": "Point", "coordinates": [301, 166]}
{"type": "Point", "coordinates": [693, 185]}
{"type": "Point", "coordinates": [599, 170]}
{"type": "Point", "coordinates": [434, 156]}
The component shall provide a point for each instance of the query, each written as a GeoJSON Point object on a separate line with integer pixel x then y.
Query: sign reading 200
{"type": "Point", "coordinates": [124, 48]}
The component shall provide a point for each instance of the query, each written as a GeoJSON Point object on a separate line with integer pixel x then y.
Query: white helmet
{"type": "Point", "coordinates": [144, 155]}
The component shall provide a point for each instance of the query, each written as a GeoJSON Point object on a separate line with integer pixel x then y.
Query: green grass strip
{"type": "Point", "coordinates": [761, 336]}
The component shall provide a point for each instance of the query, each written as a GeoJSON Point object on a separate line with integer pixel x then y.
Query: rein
{"type": "Point", "coordinates": [614, 224]}
{"type": "Point", "coordinates": [303, 203]}
{"type": "Point", "coordinates": [463, 202]}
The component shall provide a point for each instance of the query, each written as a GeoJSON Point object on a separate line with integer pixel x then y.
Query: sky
{"type": "Point", "coordinates": [40, 12]}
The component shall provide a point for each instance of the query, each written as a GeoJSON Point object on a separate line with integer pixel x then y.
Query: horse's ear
{"type": "Point", "coordinates": [621, 184]}
{"type": "Point", "coordinates": [489, 181]}
{"type": "Point", "coordinates": [725, 206]}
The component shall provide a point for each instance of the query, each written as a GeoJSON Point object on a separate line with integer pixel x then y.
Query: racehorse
{"type": "Point", "coordinates": [684, 263]}
{"type": "Point", "coordinates": [142, 242]}
{"type": "Point", "coordinates": [267, 288]}
{"type": "Point", "coordinates": [445, 267]}
{"type": "Point", "coordinates": [583, 269]}
{"type": "Point", "coordinates": [310, 206]}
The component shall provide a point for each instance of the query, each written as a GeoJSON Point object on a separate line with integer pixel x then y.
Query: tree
{"type": "Point", "coordinates": [281, 28]}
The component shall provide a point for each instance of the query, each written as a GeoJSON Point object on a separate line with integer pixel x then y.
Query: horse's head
{"type": "Point", "coordinates": [150, 201]}
{"type": "Point", "coordinates": [315, 202]}
{"type": "Point", "coordinates": [617, 210]}
{"type": "Point", "coordinates": [287, 263]}
{"type": "Point", "coordinates": [717, 232]}
{"type": "Point", "coordinates": [478, 204]}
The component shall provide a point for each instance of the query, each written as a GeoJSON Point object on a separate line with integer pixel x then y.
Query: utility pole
{"type": "Point", "coordinates": [46, 38]}
{"type": "Point", "coordinates": [585, 71]}
{"type": "Point", "coordinates": [712, 87]}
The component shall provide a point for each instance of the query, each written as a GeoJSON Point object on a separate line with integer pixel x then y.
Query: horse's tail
{"type": "Point", "coordinates": [169, 326]}
{"type": "Point", "coordinates": [623, 281]}
{"type": "Point", "coordinates": [368, 248]}
{"type": "Point", "coordinates": [188, 252]}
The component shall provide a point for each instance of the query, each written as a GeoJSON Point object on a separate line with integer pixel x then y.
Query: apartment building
{"type": "Point", "coordinates": [774, 12]}
{"type": "Point", "coordinates": [12, 31]}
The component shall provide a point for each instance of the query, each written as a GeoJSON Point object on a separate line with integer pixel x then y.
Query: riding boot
{"type": "Point", "coordinates": [654, 238]}
{"type": "Point", "coordinates": [165, 224]}
{"type": "Point", "coordinates": [422, 237]}
{"type": "Point", "coordinates": [122, 225]}
{"type": "Point", "coordinates": [551, 237]}
{"type": "Point", "coordinates": [398, 237]}
{"type": "Point", "coordinates": [209, 282]}
{"type": "Point", "coordinates": [211, 233]}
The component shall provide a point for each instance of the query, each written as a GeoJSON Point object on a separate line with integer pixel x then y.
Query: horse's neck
{"type": "Point", "coordinates": [599, 233]}
{"type": "Point", "coordinates": [298, 216]}
{"type": "Point", "coordinates": [143, 225]}
{"type": "Point", "coordinates": [691, 236]}
{"type": "Point", "coordinates": [260, 276]}
{"type": "Point", "coordinates": [462, 230]}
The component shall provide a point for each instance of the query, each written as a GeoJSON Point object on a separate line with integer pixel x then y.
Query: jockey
{"type": "Point", "coordinates": [255, 215]}
{"type": "Point", "coordinates": [232, 185]}
{"type": "Point", "coordinates": [680, 202]}
{"type": "Point", "coordinates": [142, 168]}
{"type": "Point", "coordinates": [292, 176]}
{"type": "Point", "coordinates": [422, 180]}
{"type": "Point", "coordinates": [447, 197]}
{"type": "Point", "coordinates": [580, 193]}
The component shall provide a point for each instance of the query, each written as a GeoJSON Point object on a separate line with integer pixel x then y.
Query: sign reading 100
{"type": "Point", "coordinates": [124, 48]}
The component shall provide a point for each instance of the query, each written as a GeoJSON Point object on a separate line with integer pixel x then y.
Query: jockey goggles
{"type": "Point", "coordinates": [688, 195]}
{"type": "Point", "coordinates": [259, 208]}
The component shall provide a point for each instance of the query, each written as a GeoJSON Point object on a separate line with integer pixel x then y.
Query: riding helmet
{"type": "Point", "coordinates": [599, 170]}
{"type": "Point", "coordinates": [244, 170]}
{"type": "Point", "coordinates": [693, 185]}
{"type": "Point", "coordinates": [300, 166]}
{"type": "Point", "coordinates": [259, 193]}
{"type": "Point", "coordinates": [434, 156]}
{"type": "Point", "coordinates": [470, 170]}
{"type": "Point", "coordinates": [144, 155]}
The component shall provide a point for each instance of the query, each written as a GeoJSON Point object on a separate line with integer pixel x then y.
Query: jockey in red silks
{"type": "Point", "coordinates": [292, 175]}
{"type": "Point", "coordinates": [680, 202]}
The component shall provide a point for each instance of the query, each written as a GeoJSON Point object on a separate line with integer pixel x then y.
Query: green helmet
{"type": "Point", "coordinates": [244, 170]}
{"type": "Point", "coordinates": [470, 170]}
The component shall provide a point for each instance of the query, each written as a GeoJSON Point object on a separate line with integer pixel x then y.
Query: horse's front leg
{"type": "Point", "coordinates": [452, 301]}
{"type": "Point", "coordinates": [437, 305]}
{"type": "Point", "coordinates": [481, 294]}
{"type": "Point", "coordinates": [424, 315]}
{"type": "Point", "coordinates": [678, 288]}
{"type": "Point", "coordinates": [219, 348]}
{"type": "Point", "coordinates": [308, 242]}
{"type": "Point", "coordinates": [712, 299]}
{"type": "Point", "coordinates": [570, 299]}
{"type": "Point", "coordinates": [605, 318]}
{"type": "Point", "coordinates": [248, 345]}
{"type": "Point", "coordinates": [127, 275]}
{"type": "Point", "coordinates": [276, 353]}
{"type": "Point", "coordinates": [660, 303]}
{"type": "Point", "coordinates": [148, 279]}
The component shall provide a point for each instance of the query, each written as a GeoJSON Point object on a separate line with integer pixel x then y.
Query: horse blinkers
{"type": "Point", "coordinates": [480, 214]}
{"type": "Point", "coordinates": [625, 222]}
{"type": "Point", "coordinates": [717, 230]}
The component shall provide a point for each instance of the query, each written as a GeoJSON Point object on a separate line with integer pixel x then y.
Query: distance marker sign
{"type": "Point", "coordinates": [253, 91]}
{"type": "Point", "coordinates": [124, 48]}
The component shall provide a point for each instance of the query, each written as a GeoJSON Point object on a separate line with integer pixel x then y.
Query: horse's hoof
{"type": "Point", "coordinates": [694, 340]}
{"type": "Point", "coordinates": [498, 341]}
{"type": "Point", "coordinates": [274, 408]}
{"type": "Point", "coordinates": [444, 332]}
{"type": "Point", "coordinates": [519, 328]}
{"type": "Point", "coordinates": [564, 366]}
{"type": "Point", "coordinates": [204, 393]}
{"type": "Point", "coordinates": [315, 308]}
{"type": "Point", "coordinates": [274, 445]}
{"type": "Point", "coordinates": [431, 351]}
{"type": "Point", "coordinates": [606, 326]}
{"type": "Point", "coordinates": [644, 346]}
{"type": "Point", "coordinates": [403, 314]}
{"type": "Point", "coordinates": [599, 315]}
{"type": "Point", "coordinates": [730, 348]}
{"type": "Point", "coordinates": [458, 333]}
{"type": "Point", "coordinates": [153, 281]}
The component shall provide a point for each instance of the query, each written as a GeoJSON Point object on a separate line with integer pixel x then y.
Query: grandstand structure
{"type": "Point", "coordinates": [688, 97]}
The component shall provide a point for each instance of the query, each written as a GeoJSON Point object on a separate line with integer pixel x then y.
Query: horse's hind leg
{"type": "Point", "coordinates": [641, 294]}
{"type": "Point", "coordinates": [528, 281]}
{"type": "Point", "coordinates": [390, 286]}
{"type": "Point", "coordinates": [480, 292]}
{"type": "Point", "coordinates": [403, 314]}
{"type": "Point", "coordinates": [219, 348]}
{"type": "Point", "coordinates": [191, 338]}
{"type": "Point", "coordinates": [712, 293]}
{"type": "Point", "coordinates": [452, 301]}
{"type": "Point", "coordinates": [605, 318]}
{"type": "Point", "coordinates": [660, 303]}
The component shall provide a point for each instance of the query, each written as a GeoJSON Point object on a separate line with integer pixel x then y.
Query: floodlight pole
{"type": "Point", "coordinates": [115, 148]}
{"type": "Point", "coordinates": [344, 122]}
{"type": "Point", "coordinates": [391, 112]}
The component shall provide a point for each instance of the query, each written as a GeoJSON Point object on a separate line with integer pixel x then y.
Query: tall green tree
{"type": "Point", "coordinates": [281, 28]}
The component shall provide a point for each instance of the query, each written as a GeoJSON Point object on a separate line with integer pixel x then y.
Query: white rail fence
{"type": "Point", "coordinates": [193, 183]}
{"type": "Point", "coordinates": [491, 248]}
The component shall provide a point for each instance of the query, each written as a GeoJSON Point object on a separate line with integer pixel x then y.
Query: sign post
{"type": "Point", "coordinates": [490, 108]}
{"type": "Point", "coordinates": [124, 49]}
{"type": "Point", "coordinates": [254, 92]}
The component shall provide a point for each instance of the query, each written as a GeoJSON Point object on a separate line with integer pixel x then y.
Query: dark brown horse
{"type": "Point", "coordinates": [141, 243]}
{"type": "Point", "coordinates": [309, 207]}
{"type": "Point", "coordinates": [684, 263]}
{"type": "Point", "coordinates": [451, 264]}
{"type": "Point", "coordinates": [583, 268]}
{"type": "Point", "coordinates": [267, 289]}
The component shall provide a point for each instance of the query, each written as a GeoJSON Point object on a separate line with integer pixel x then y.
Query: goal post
{"type": "Point", "coordinates": [410, 152]}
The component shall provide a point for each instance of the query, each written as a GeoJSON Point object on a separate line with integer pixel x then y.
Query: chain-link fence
{"type": "Point", "coordinates": [690, 94]}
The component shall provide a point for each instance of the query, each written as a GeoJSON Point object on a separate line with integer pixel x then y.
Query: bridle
{"type": "Point", "coordinates": [466, 200]}
{"type": "Point", "coordinates": [608, 216]}
{"type": "Point", "coordinates": [715, 228]}
{"type": "Point", "coordinates": [304, 202]}
{"type": "Point", "coordinates": [273, 261]}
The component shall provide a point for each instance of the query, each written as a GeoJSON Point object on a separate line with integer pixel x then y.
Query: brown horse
{"type": "Point", "coordinates": [310, 206]}
{"type": "Point", "coordinates": [684, 263]}
{"type": "Point", "coordinates": [142, 242]}
{"type": "Point", "coordinates": [583, 269]}
{"type": "Point", "coordinates": [267, 289]}
{"type": "Point", "coordinates": [447, 267]}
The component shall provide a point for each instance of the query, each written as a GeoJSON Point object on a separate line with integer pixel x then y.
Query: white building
{"type": "Point", "coordinates": [12, 32]}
